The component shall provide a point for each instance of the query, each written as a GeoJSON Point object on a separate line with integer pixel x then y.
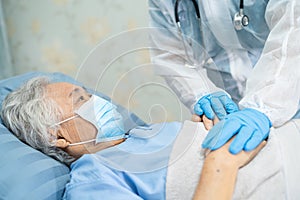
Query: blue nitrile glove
{"type": "Point", "coordinates": [250, 126]}
{"type": "Point", "coordinates": [218, 103]}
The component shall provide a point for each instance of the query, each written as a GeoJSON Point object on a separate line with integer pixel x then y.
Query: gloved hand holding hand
{"type": "Point", "coordinates": [250, 126]}
{"type": "Point", "coordinates": [208, 124]}
{"type": "Point", "coordinates": [218, 103]}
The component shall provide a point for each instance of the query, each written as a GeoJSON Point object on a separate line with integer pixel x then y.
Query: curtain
{"type": "Point", "coordinates": [5, 58]}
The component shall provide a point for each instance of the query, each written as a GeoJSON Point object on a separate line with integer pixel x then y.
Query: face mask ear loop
{"type": "Point", "coordinates": [63, 121]}
{"type": "Point", "coordinates": [84, 142]}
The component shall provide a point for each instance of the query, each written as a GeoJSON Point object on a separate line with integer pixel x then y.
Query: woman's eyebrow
{"type": "Point", "coordinates": [75, 90]}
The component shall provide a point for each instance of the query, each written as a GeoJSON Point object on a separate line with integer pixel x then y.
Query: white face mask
{"type": "Point", "coordinates": [104, 116]}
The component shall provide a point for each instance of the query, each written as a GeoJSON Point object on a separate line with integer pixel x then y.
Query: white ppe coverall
{"type": "Point", "coordinates": [259, 65]}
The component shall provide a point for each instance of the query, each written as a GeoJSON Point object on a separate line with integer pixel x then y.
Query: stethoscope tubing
{"type": "Point", "coordinates": [196, 6]}
{"type": "Point", "coordinates": [239, 18]}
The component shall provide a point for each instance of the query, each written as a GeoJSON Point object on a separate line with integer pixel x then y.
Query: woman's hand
{"type": "Point", "coordinates": [238, 160]}
{"type": "Point", "coordinates": [208, 124]}
{"type": "Point", "coordinates": [219, 172]}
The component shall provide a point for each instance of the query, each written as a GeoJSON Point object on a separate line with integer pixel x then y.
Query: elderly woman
{"type": "Point", "coordinates": [160, 161]}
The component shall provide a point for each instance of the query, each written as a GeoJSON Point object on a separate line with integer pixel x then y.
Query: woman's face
{"type": "Point", "coordinates": [70, 97]}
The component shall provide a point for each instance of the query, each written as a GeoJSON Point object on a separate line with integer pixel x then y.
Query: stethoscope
{"type": "Point", "coordinates": [240, 21]}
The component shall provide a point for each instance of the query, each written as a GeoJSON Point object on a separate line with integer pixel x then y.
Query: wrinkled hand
{"type": "Point", "coordinates": [217, 103]}
{"type": "Point", "coordinates": [244, 157]}
{"type": "Point", "coordinates": [250, 126]}
{"type": "Point", "coordinates": [208, 124]}
{"type": "Point", "coordinates": [239, 160]}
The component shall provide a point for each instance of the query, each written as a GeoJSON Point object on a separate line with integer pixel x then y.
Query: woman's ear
{"type": "Point", "coordinates": [62, 143]}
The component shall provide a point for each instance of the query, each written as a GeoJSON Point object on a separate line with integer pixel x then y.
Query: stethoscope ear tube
{"type": "Point", "coordinates": [196, 8]}
{"type": "Point", "coordinates": [176, 10]}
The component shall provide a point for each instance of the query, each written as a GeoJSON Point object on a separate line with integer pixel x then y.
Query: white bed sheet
{"type": "Point", "coordinates": [273, 174]}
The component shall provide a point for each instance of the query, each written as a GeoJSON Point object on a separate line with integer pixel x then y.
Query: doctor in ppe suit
{"type": "Point", "coordinates": [254, 46]}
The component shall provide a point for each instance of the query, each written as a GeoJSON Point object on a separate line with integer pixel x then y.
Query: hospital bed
{"type": "Point", "coordinates": [26, 173]}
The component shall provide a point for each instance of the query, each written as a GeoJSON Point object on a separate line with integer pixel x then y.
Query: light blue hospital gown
{"type": "Point", "coordinates": [134, 169]}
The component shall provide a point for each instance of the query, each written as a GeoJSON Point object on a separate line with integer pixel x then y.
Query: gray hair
{"type": "Point", "coordinates": [29, 114]}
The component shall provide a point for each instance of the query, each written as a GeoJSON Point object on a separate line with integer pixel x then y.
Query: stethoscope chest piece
{"type": "Point", "coordinates": [240, 20]}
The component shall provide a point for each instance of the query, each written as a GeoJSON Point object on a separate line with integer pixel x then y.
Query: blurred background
{"type": "Point", "coordinates": [59, 36]}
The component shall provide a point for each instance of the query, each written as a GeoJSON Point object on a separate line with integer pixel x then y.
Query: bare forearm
{"type": "Point", "coordinates": [219, 172]}
{"type": "Point", "coordinates": [217, 180]}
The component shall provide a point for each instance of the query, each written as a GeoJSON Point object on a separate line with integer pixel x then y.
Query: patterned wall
{"type": "Point", "coordinates": [57, 35]}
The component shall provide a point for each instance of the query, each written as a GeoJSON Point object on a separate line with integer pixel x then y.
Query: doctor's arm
{"type": "Point", "coordinates": [273, 90]}
{"type": "Point", "coordinates": [274, 86]}
{"type": "Point", "coordinates": [169, 59]}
